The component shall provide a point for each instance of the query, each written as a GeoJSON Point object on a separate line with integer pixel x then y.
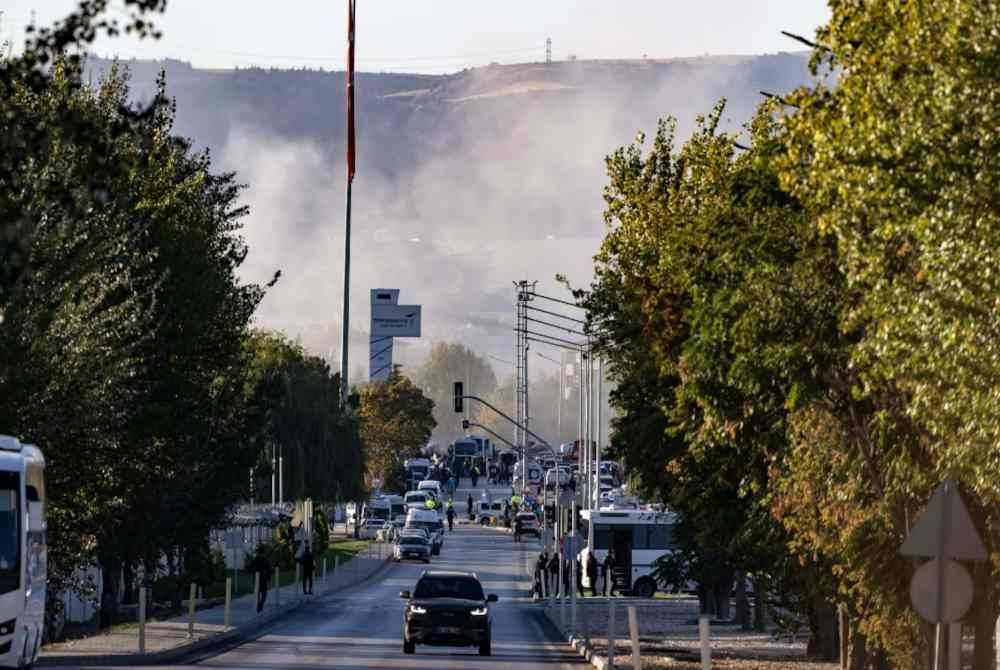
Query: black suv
{"type": "Point", "coordinates": [447, 609]}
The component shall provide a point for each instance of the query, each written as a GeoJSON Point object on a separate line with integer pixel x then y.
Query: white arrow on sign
{"type": "Point", "coordinates": [945, 529]}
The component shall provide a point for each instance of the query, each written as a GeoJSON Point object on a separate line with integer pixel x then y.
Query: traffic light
{"type": "Point", "coordinates": [458, 397]}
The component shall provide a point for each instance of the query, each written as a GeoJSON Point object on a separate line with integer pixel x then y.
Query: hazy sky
{"type": "Point", "coordinates": [446, 35]}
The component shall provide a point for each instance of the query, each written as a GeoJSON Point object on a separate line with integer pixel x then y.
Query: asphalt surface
{"type": "Point", "coordinates": [362, 627]}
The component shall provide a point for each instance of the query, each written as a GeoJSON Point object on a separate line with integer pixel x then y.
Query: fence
{"type": "Point", "coordinates": [206, 618]}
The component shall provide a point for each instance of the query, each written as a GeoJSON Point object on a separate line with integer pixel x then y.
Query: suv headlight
{"type": "Point", "coordinates": [417, 609]}
{"type": "Point", "coordinates": [480, 611]}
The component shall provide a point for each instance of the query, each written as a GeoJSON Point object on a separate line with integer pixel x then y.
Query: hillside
{"type": "Point", "coordinates": [465, 181]}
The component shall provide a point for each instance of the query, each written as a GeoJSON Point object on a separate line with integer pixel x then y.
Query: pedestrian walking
{"type": "Point", "coordinates": [554, 572]}
{"type": "Point", "coordinates": [541, 570]}
{"type": "Point", "coordinates": [262, 566]}
{"type": "Point", "coordinates": [518, 524]}
{"type": "Point", "coordinates": [472, 514]}
{"type": "Point", "coordinates": [592, 573]}
{"type": "Point", "coordinates": [451, 517]}
{"type": "Point", "coordinates": [567, 566]}
{"type": "Point", "coordinates": [609, 569]}
{"type": "Point", "coordinates": [579, 578]}
{"type": "Point", "coordinates": [475, 476]}
{"type": "Point", "coordinates": [308, 568]}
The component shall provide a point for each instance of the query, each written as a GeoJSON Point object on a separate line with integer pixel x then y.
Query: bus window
{"type": "Point", "coordinates": [660, 537]}
{"type": "Point", "coordinates": [640, 537]}
{"type": "Point", "coordinates": [602, 537]}
{"type": "Point", "coordinates": [9, 531]}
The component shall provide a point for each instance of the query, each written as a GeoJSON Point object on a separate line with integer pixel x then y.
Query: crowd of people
{"type": "Point", "coordinates": [547, 575]}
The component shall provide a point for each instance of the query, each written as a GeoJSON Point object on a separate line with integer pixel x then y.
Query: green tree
{"type": "Point", "coordinates": [447, 363]}
{"type": "Point", "coordinates": [397, 420]}
{"type": "Point", "coordinates": [320, 445]}
{"type": "Point", "coordinates": [893, 152]}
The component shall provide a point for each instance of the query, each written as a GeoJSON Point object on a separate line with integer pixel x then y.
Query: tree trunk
{"type": "Point", "coordinates": [823, 640]}
{"type": "Point", "coordinates": [172, 561]}
{"type": "Point", "coordinates": [742, 602]}
{"type": "Point", "coordinates": [723, 601]}
{"type": "Point", "coordinates": [844, 635]}
{"type": "Point", "coordinates": [984, 618]}
{"type": "Point", "coordinates": [129, 595]}
{"type": "Point", "coordinates": [857, 650]}
{"type": "Point", "coordinates": [759, 605]}
{"type": "Point", "coordinates": [111, 575]}
{"type": "Point", "coordinates": [706, 601]}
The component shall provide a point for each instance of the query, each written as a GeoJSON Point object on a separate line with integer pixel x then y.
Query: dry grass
{"type": "Point", "coordinates": [675, 663]}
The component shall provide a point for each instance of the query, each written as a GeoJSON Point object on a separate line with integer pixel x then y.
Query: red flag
{"type": "Point", "coordinates": [350, 90]}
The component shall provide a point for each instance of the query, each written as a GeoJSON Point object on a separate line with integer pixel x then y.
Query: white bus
{"type": "Point", "coordinates": [639, 537]}
{"type": "Point", "coordinates": [22, 552]}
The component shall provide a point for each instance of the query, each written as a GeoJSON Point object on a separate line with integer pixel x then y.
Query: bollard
{"type": "Point", "coordinates": [633, 633]}
{"type": "Point", "coordinates": [611, 633]}
{"type": "Point", "coordinates": [336, 564]}
{"type": "Point", "coordinates": [298, 577]}
{"type": "Point", "coordinates": [192, 592]}
{"type": "Point", "coordinates": [256, 589]}
{"type": "Point", "coordinates": [324, 571]}
{"type": "Point", "coordinates": [142, 619]}
{"type": "Point", "coordinates": [706, 648]}
{"type": "Point", "coordinates": [229, 599]}
{"type": "Point", "coordinates": [277, 587]}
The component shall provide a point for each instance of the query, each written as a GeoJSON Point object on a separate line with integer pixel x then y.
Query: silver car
{"type": "Point", "coordinates": [411, 546]}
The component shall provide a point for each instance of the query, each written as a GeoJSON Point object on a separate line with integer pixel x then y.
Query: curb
{"type": "Point", "coordinates": [580, 645]}
{"type": "Point", "coordinates": [234, 635]}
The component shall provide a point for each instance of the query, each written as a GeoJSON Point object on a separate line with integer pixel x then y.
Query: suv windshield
{"type": "Point", "coordinates": [466, 588]}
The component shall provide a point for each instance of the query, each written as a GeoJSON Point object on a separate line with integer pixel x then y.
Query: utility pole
{"type": "Point", "coordinates": [548, 50]}
{"type": "Point", "coordinates": [524, 291]}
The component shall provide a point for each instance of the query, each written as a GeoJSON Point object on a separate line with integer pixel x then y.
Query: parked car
{"type": "Point", "coordinates": [528, 524]}
{"type": "Point", "coordinates": [448, 609]}
{"type": "Point", "coordinates": [412, 546]}
{"type": "Point", "coordinates": [429, 520]}
{"type": "Point", "coordinates": [370, 528]}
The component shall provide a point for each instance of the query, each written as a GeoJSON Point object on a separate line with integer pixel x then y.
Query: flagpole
{"type": "Point", "coordinates": [347, 302]}
{"type": "Point", "coordinates": [345, 336]}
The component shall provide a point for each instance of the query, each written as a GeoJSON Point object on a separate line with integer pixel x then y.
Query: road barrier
{"type": "Point", "coordinates": [704, 622]}
{"type": "Point", "coordinates": [202, 621]}
{"type": "Point", "coordinates": [142, 619]}
{"type": "Point", "coordinates": [611, 633]}
{"type": "Point", "coordinates": [229, 600]}
{"type": "Point", "coordinates": [633, 633]}
{"type": "Point", "coordinates": [191, 603]}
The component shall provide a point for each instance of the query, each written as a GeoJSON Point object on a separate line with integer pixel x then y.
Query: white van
{"type": "Point", "coordinates": [418, 499]}
{"type": "Point", "coordinates": [432, 486]}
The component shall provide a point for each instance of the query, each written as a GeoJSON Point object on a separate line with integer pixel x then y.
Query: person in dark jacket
{"type": "Point", "coordinates": [451, 517]}
{"type": "Point", "coordinates": [262, 566]}
{"type": "Point", "coordinates": [308, 568]}
{"type": "Point", "coordinates": [609, 568]}
{"type": "Point", "coordinates": [541, 566]}
{"type": "Point", "coordinates": [567, 566]}
{"type": "Point", "coordinates": [472, 513]}
{"type": "Point", "coordinates": [592, 573]}
{"type": "Point", "coordinates": [554, 573]}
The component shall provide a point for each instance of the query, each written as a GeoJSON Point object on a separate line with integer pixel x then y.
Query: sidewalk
{"type": "Point", "coordinates": [166, 640]}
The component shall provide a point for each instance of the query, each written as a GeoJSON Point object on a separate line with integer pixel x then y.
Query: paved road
{"type": "Point", "coordinates": [361, 627]}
